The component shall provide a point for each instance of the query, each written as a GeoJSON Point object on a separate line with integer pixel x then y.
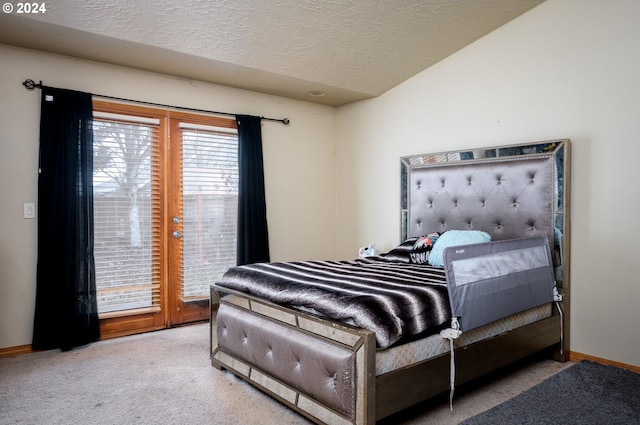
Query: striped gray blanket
{"type": "Point", "coordinates": [396, 300]}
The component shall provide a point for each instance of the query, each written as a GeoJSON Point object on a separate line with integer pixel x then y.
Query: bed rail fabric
{"type": "Point", "coordinates": [489, 281]}
{"type": "Point", "coordinates": [395, 300]}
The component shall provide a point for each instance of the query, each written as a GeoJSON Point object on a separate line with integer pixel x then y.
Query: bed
{"type": "Point", "coordinates": [341, 352]}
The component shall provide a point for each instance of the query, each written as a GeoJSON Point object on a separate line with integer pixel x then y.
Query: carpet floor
{"type": "Point", "coordinates": [166, 377]}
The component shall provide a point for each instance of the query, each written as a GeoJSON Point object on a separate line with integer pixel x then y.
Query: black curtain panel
{"type": "Point", "coordinates": [66, 313]}
{"type": "Point", "coordinates": [253, 238]}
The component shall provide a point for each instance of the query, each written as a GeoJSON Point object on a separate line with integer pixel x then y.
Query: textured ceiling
{"type": "Point", "coordinates": [351, 50]}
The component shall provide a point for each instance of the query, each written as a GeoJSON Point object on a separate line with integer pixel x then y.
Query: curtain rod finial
{"type": "Point", "coordinates": [30, 84]}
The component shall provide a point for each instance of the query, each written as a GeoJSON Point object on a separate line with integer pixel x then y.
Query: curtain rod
{"type": "Point", "coordinates": [30, 85]}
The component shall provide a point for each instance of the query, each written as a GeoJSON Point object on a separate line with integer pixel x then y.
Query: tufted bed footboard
{"type": "Point", "coordinates": [327, 371]}
{"type": "Point", "coordinates": [324, 370]}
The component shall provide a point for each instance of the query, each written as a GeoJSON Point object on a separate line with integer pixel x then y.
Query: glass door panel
{"type": "Point", "coordinates": [207, 214]}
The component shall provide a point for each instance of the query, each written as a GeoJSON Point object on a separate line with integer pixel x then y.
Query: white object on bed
{"type": "Point", "coordinates": [367, 251]}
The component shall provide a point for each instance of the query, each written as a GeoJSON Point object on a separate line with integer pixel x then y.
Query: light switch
{"type": "Point", "coordinates": [29, 210]}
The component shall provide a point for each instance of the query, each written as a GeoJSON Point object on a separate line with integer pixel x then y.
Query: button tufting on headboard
{"type": "Point", "coordinates": [510, 192]}
{"type": "Point", "coordinates": [496, 196]}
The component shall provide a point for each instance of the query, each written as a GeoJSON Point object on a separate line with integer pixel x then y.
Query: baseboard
{"type": "Point", "coordinates": [15, 351]}
{"type": "Point", "coordinates": [576, 357]}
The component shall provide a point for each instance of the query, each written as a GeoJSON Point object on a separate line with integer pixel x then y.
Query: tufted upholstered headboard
{"type": "Point", "coordinates": [508, 199]}
{"type": "Point", "coordinates": [509, 192]}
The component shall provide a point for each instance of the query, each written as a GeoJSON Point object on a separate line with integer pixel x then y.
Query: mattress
{"type": "Point", "coordinates": [409, 353]}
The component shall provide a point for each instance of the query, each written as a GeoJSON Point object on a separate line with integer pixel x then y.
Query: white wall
{"type": "Point", "coordinates": [566, 69]}
{"type": "Point", "coordinates": [298, 163]}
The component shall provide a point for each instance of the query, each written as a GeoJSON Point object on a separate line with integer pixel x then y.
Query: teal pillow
{"type": "Point", "coordinates": [455, 238]}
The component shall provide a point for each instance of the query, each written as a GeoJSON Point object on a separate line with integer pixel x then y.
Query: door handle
{"type": "Point", "coordinates": [177, 234]}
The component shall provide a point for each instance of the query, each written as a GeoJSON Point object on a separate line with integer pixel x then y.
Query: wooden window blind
{"type": "Point", "coordinates": [127, 213]}
{"type": "Point", "coordinates": [210, 197]}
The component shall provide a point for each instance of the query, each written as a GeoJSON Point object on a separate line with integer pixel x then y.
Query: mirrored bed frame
{"type": "Point", "coordinates": [510, 192]}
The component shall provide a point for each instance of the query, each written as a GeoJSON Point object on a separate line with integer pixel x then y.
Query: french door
{"type": "Point", "coordinates": [165, 208]}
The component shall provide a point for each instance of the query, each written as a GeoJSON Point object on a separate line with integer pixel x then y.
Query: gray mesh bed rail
{"type": "Point", "coordinates": [489, 281]}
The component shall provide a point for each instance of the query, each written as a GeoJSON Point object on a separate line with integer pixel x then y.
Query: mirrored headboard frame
{"type": "Point", "coordinates": [557, 150]}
